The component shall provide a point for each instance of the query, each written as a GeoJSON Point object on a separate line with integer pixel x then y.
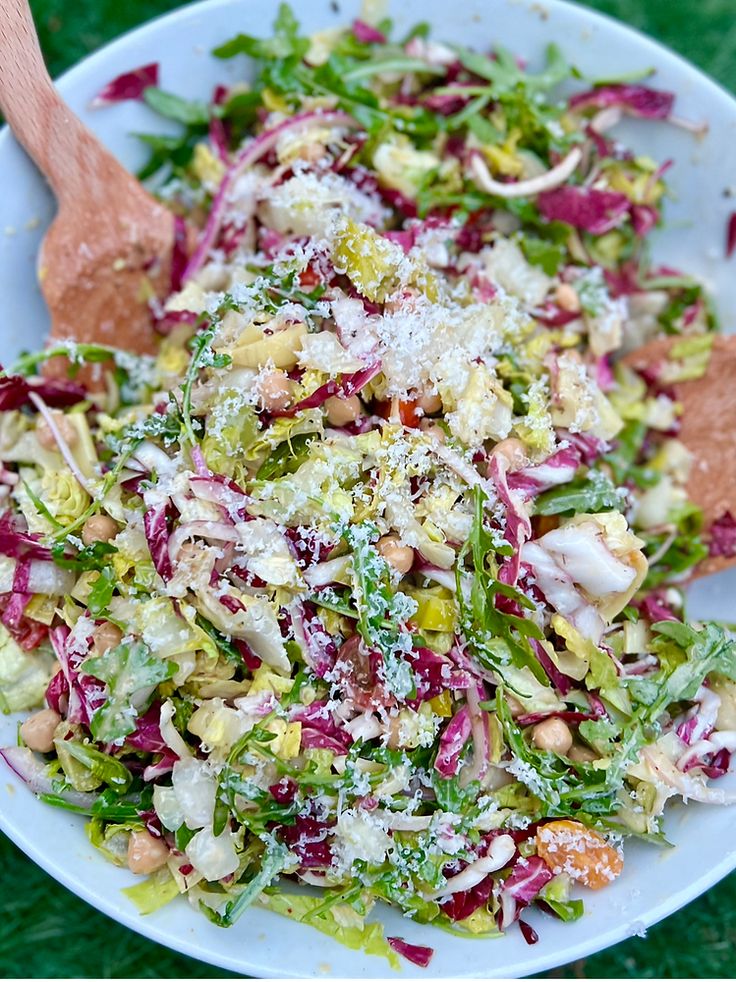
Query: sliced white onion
{"type": "Point", "coordinates": [522, 189]}
{"type": "Point", "coordinates": [501, 850]}
{"type": "Point", "coordinates": [61, 443]}
{"type": "Point", "coordinates": [685, 785]}
{"type": "Point", "coordinates": [32, 770]}
{"type": "Point", "coordinates": [172, 737]}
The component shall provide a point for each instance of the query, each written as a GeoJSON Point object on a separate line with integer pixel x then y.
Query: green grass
{"type": "Point", "coordinates": [47, 932]}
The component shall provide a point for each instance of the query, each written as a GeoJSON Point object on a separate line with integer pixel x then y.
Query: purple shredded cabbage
{"type": "Point", "coordinates": [319, 648]}
{"type": "Point", "coordinates": [644, 218]}
{"type": "Point", "coordinates": [654, 608]}
{"type": "Point", "coordinates": [57, 693]}
{"type": "Point", "coordinates": [435, 674]}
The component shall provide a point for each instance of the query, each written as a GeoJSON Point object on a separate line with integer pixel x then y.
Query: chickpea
{"type": "Point", "coordinates": [67, 430]}
{"type": "Point", "coordinates": [581, 753]}
{"type": "Point", "coordinates": [430, 403]}
{"type": "Point", "coordinates": [552, 734]}
{"type": "Point", "coordinates": [99, 528]}
{"type": "Point", "coordinates": [515, 707]}
{"type": "Point", "coordinates": [429, 427]}
{"type": "Point", "coordinates": [38, 730]}
{"type": "Point", "coordinates": [342, 411]}
{"type": "Point", "coordinates": [276, 391]}
{"type": "Point", "coordinates": [146, 854]}
{"type": "Point", "coordinates": [396, 555]}
{"type": "Point", "coordinates": [106, 636]}
{"type": "Point", "coordinates": [566, 298]}
{"type": "Point", "coordinates": [513, 451]}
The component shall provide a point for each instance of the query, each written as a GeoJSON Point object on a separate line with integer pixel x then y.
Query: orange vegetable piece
{"type": "Point", "coordinates": [569, 847]}
{"type": "Point", "coordinates": [409, 412]}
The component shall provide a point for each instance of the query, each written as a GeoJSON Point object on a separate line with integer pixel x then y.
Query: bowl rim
{"type": "Point", "coordinates": [71, 878]}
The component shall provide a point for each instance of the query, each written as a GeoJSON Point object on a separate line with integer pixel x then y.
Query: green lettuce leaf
{"type": "Point", "coordinates": [154, 893]}
{"type": "Point", "coordinates": [358, 936]}
{"type": "Point", "coordinates": [127, 669]}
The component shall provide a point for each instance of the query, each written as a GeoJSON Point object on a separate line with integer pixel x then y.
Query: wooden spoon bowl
{"type": "Point", "coordinates": [708, 430]}
{"type": "Point", "coordinates": [108, 250]}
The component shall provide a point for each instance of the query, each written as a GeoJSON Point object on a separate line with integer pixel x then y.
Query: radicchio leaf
{"type": "Point", "coordinates": [731, 235]}
{"type": "Point", "coordinates": [723, 536]}
{"type": "Point", "coordinates": [157, 524]}
{"type": "Point", "coordinates": [58, 393]}
{"type": "Point", "coordinates": [308, 839]}
{"type": "Point", "coordinates": [588, 209]}
{"type": "Point", "coordinates": [344, 389]}
{"type": "Point", "coordinates": [367, 34]}
{"type": "Point", "coordinates": [636, 100]}
{"type": "Point", "coordinates": [454, 737]}
{"type": "Point", "coordinates": [417, 954]}
{"type": "Point", "coordinates": [529, 875]}
{"type": "Point", "coordinates": [129, 85]}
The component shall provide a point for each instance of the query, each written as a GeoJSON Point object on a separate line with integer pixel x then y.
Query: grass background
{"type": "Point", "coordinates": [47, 932]}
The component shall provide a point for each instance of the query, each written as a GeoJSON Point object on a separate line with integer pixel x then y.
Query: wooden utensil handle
{"type": "Point", "coordinates": [64, 150]}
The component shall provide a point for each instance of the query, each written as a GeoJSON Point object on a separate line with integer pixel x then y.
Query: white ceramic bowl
{"type": "Point", "coordinates": [655, 882]}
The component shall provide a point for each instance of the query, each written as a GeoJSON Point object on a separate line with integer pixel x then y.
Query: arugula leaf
{"type": "Point", "coordinates": [274, 860]}
{"type": "Point", "coordinates": [284, 42]}
{"type": "Point", "coordinates": [568, 910]}
{"type": "Point", "coordinates": [451, 797]}
{"type": "Point", "coordinates": [102, 766]}
{"type": "Point", "coordinates": [286, 458]}
{"type": "Point", "coordinates": [707, 650]}
{"type": "Point", "coordinates": [544, 253]}
{"type": "Point", "coordinates": [101, 593]}
{"type": "Point", "coordinates": [226, 647]}
{"type": "Point", "coordinates": [593, 493]}
{"type": "Point", "coordinates": [202, 356]}
{"type": "Point", "coordinates": [174, 107]}
{"type": "Point", "coordinates": [622, 458]}
{"type": "Point", "coordinates": [92, 557]}
{"type": "Point", "coordinates": [127, 670]}
{"type": "Point", "coordinates": [600, 734]}
{"type": "Point", "coordinates": [676, 555]}
{"type": "Point", "coordinates": [175, 152]}
{"type": "Point", "coordinates": [496, 638]}
{"type": "Point", "coordinates": [382, 611]}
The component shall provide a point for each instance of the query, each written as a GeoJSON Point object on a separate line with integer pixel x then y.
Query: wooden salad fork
{"type": "Point", "coordinates": [108, 250]}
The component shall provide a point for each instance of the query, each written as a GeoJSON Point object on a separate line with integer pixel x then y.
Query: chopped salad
{"type": "Point", "coordinates": [367, 581]}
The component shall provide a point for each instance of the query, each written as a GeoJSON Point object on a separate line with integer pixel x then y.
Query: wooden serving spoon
{"type": "Point", "coordinates": [708, 430]}
{"type": "Point", "coordinates": [108, 250]}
